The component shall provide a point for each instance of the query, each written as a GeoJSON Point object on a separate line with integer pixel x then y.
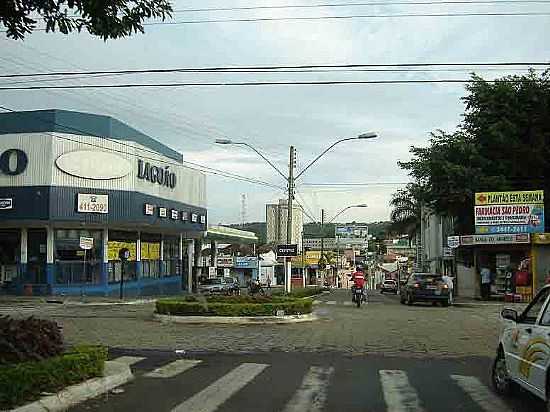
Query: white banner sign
{"type": "Point", "coordinates": [506, 215]}
{"type": "Point", "coordinates": [86, 243]}
{"type": "Point", "coordinates": [453, 241]}
{"type": "Point", "coordinates": [88, 203]}
{"type": "Point", "coordinates": [494, 239]}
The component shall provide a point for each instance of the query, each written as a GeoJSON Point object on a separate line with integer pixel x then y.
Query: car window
{"type": "Point", "coordinates": [530, 314]}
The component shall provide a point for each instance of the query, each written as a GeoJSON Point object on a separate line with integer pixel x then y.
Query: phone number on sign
{"type": "Point", "coordinates": [93, 207]}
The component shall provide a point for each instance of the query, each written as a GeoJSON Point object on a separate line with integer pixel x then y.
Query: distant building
{"type": "Point", "coordinates": [276, 219]}
{"type": "Point", "coordinates": [315, 243]}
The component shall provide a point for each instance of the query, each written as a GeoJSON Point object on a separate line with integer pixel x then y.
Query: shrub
{"type": "Point", "coordinates": [25, 381]}
{"type": "Point", "coordinates": [268, 308]}
{"type": "Point", "coordinates": [304, 292]}
{"type": "Point", "coordinates": [28, 339]}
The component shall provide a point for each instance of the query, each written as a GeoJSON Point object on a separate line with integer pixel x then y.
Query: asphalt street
{"type": "Point", "coordinates": [292, 382]}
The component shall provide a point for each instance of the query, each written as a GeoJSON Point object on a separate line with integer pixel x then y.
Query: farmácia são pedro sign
{"type": "Point", "coordinates": [509, 212]}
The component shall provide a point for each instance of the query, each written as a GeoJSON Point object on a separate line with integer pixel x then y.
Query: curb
{"type": "Point", "coordinates": [116, 374]}
{"type": "Point", "coordinates": [131, 302]}
{"type": "Point", "coordinates": [237, 320]}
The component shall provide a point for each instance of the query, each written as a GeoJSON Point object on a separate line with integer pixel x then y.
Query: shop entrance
{"type": "Point", "coordinates": [36, 255]}
{"type": "Point", "coordinates": [10, 252]}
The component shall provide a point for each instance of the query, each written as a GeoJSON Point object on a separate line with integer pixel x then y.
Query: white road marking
{"type": "Point", "coordinates": [399, 395]}
{"type": "Point", "coordinates": [173, 368]}
{"type": "Point", "coordinates": [348, 303]}
{"type": "Point", "coordinates": [331, 302]}
{"type": "Point", "coordinates": [129, 360]}
{"type": "Point", "coordinates": [214, 395]}
{"type": "Point", "coordinates": [482, 395]}
{"type": "Point", "coordinates": [312, 394]}
{"type": "Point", "coordinates": [317, 302]}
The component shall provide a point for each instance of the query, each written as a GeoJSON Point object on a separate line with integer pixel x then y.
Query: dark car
{"type": "Point", "coordinates": [389, 285]}
{"type": "Point", "coordinates": [425, 287]}
{"type": "Point", "coordinates": [225, 286]}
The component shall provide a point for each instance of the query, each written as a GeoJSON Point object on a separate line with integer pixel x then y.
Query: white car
{"type": "Point", "coordinates": [523, 354]}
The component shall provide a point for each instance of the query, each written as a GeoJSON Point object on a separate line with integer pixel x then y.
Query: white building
{"type": "Point", "coordinates": [277, 217]}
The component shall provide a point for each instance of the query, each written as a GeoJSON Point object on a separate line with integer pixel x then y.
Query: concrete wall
{"type": "Point", "coordinates": [467, 281]}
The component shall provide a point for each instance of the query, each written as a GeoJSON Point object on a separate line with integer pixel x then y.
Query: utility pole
{"type": "Point", "coordinates": [291, 166]}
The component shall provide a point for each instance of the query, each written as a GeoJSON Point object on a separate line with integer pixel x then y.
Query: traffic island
{"type": "Point", "coordinates": [235, 309]}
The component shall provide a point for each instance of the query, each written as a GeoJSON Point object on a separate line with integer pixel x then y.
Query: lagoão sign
{"type": "Point", "coordinates": [509, 212]}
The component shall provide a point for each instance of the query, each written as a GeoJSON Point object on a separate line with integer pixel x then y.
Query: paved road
{"type": "Point", "coordinates": [298, 382]}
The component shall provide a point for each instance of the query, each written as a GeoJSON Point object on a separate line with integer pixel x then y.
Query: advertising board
{"type": "Point", "coordinates": [509, 212]}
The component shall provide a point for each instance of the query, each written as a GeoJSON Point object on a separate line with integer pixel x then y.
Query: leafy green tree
{"type": "Point", "coordinates": [502, 144]}
{"type": "Point", "coordinates": [110, 19]}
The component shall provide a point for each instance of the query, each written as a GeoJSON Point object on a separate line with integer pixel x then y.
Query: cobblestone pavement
{"type": "Point", "coordinates": [383, 326]}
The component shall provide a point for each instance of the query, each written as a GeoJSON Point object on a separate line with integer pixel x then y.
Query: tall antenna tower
{"type": "Point", "coordinates": [243, 209]}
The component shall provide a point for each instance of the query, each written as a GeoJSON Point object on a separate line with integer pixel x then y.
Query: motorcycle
{"type": "Point", "coordinates": [358, 296]}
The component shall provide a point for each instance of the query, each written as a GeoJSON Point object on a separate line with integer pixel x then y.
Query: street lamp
{"type": "Point", "coordinates": [291, 178]}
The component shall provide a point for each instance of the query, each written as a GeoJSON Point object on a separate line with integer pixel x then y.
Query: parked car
{"type": "Point", "coordinates": [523, 353]}
{"type": "Point", "coordinates": [425, 287]}
{"type": "Point", "coordinates": [226, 286]}
{"type": "Point", "coordinates": [389, 285]}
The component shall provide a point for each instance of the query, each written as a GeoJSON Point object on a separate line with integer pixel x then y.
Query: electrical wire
{"type": "Point", "coordinates": [203, 168]}
{"type": "Point", "coordinates": [277, 68]}
{"type": "Point", "coordinates": [361, 4]}
{"type": "Point", "coordinates": [257, 83]}
{"type": "Point", "coordinates": [355, 16]}
{"type": "Point", "coordinates": [355, 184]}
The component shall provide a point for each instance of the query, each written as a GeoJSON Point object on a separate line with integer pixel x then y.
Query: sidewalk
{"type": "Point", "coordinates": [74, 300]}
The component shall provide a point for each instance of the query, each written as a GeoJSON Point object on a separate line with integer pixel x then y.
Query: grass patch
{"type": "Point", "coordinates": [233, 306]}
{"type": "Point", "coordinates": [25, 381]}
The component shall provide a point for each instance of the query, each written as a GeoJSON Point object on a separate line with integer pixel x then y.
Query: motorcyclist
{"type": "Point", "coordinates": [358, 278]}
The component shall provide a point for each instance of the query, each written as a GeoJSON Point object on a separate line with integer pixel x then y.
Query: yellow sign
{"type": "Point", "coordinates": [541, 238]}
{"type": "Point", "coordinates": [113, 248]}
{"type": "Point", "coordinates": [150, 251]}
{"type": "Point", "coordinates": [509, 198]}
{"type": "Point", "coordinates": [311, 258]}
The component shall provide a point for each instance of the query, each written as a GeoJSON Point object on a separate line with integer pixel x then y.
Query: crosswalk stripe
{"type": "Point", "coordinates": [482, 395]}
{"type": "Point", "coordinates": [399, 395]}
{"type": "Point", "coordinates": [128, 360]}
{"type": "Point", "coordinates": [173, 368]}
{"type": "Point", "coordinates": [311, 395]}
{"type": "Point", "coordinates": [214, 395]}
{"type": "Point", "coordinates": [331, 302]}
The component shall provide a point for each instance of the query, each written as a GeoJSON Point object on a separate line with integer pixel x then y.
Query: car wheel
{"type": "Point", "coordinates": [445, 303]}
{"type": "Point", "coordinates": [402, 299]}
{"type": "Point", "coordinates": [499, 375]}
{"type": "Point", "coordinates": [409, 299]}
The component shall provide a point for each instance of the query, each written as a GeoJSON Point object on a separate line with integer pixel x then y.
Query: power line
{"type": "Point", "coordinates": [277, 68]}
{"type": "Point", "coordinates": [204, 169]}
{"type": "Point", "coordinates": [329, 5]}
{"type": "Point", "coordinates": [354, 16]}
{"type": "Point", "coordinates": [355, 184]}
{"type": "Point", "coordinates": [258, 83]}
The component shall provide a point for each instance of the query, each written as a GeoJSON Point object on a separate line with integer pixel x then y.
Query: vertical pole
{"type": "Point", "coordinates": [24, 258]}
{"type": "Point", "coordinates": [162, 267]}
{"type": "Point", "coordinates": [289, 216]}
{"type": "Point", "coordinates": [190, 261]}
{"type": "Point", "coordinates": [50, 245]}
{"type": "Point", "coordinates": [122, 262]}
{"type": "Point", "coordinates": [323, 243]}
{"type": "Point", "coordinates": [422, 235]}
{"type": "Point", "coordinates": [104, 279]}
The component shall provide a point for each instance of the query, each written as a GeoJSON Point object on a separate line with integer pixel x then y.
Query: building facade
{"type": "Point", "coordinates": [76, 189]}
{"type": "Point", "coordinates": [315, 243]}
{"type": "Point", "coordinates": [276, 222]}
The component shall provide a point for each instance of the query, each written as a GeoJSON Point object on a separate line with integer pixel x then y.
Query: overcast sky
{"type": "Point", "coordinates": [274, 117]}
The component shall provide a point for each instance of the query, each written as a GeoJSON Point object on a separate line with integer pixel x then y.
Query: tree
{"type": "Point", "coordinates": [110, 19]}
{"type": "Point", "coordinates": [405, 214]}
{"type": "Point", "coordinates": [502, 144]}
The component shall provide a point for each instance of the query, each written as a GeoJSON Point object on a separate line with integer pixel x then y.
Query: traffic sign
{"type": "Point", "coordinates": [287, 250]}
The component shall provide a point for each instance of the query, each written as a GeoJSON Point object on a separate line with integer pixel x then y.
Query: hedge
{"type": "Point", "coordinates": [304, 292]}
{"type": "Point", "coordinates": [205, 308]}
{"type": "Point", "coordinates": [25, 381]}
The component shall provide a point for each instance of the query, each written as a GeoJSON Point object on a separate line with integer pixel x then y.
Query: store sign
{"type": "Point", "coordinates": [453, 241]}
{"type": "Point", "coordinates": [89, 203]}
{"type": "Point", "coordinates": [541, 238]}
{"type": "Point", "coordinates": [287, 250]}
{"type": "Point", "coordinates": [224, 261]}
{"type": "Point", "coordinates": [509, 212]}
{"type": "Point", "coordinates": [95, 165]}
{"type": "Point", "coordinates": [494, 239]}
{"type": "Point", "coordinates": [13, 162]}
{"type": "Point", "coordinates": [194, 218]}
{"type": "Point", "coordinates": [86, 243]}
{"type": "Point", "coordinates": [448, 252]}
{"type": "Point", "coordinates": [6, 203]}
{"type": "Point", "coordinates": [246, 262]}
{"type": "Point", "coordinates": [203, 219]}
{"type": "Point", "coordinates": [184, 216]}
{"type": "Point", "coordinates": [149, 209]}
{"type": "Point", "coordinates": [174, 214]}
{"type": "Point", "coordinates": [163, 212]}
{"type": "Point", "coordinates": [156, 174]}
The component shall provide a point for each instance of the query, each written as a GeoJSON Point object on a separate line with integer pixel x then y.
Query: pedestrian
{"type": "Point", "coordinates": [269, 282]}
{"type": "Point", "coordinates": [448, 280]}
{"type": "Point", "coordinates": [485, 283]}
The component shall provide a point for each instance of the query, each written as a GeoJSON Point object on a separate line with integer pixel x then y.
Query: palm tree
{"type": "Point", "coordinates": [406, 210]}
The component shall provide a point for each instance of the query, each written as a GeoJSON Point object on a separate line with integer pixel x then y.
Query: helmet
{"type": "Point", "coordinates": [359, 268]}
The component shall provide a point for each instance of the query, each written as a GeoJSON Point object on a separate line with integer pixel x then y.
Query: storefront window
{"type": "Point", "coordinates": [150, 255]}
{"type": "Point", "coordinates": [171, 256]}
{"type": "Point", "coordinates": [117, 241]}
{"type": "Point", "coordinates": [10, 253]}
{"type": "Point", "coordinates": [73, 264]}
